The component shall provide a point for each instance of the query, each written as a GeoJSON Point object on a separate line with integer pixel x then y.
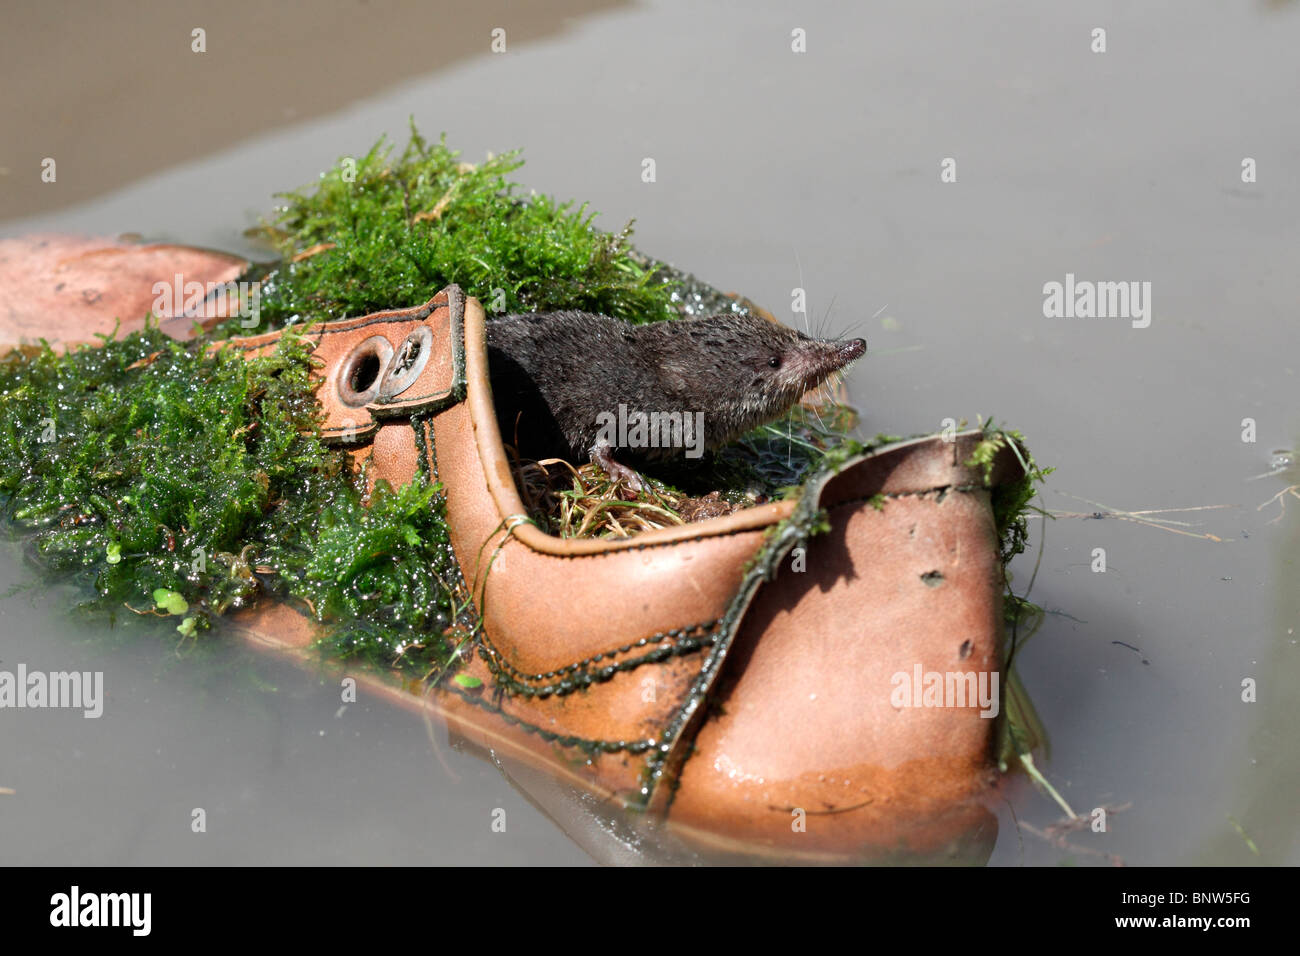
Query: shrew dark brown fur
{"type": "Point", "coordinates": [556, 376]}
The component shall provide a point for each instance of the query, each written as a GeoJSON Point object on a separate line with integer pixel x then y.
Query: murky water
{"type": "Point", "coordinates": [775, 170]}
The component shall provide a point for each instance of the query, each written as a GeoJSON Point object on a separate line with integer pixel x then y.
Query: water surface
{"type": "Point", "coordinates": [778, 170]}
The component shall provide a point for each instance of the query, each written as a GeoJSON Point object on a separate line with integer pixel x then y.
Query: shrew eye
{"type": "Point", "coordinates": [774, 361]}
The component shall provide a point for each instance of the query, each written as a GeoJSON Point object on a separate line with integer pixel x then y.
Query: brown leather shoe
{"type": "Point", "coordinates": [754, 693]}
{"type": "Point", "coordinates": [755, 708]}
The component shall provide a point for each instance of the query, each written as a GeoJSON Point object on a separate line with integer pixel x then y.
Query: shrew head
{"type": "Point", "coordinates": [744, 370]}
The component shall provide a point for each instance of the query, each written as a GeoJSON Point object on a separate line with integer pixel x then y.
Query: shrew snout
{"type": "Point", "coordinates": [817, 360]}
{"type": "Point", "coordinates": [833, 356]}
{"type": "Point", "coordinates": [850, 350]}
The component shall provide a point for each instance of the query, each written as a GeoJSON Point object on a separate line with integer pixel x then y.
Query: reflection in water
{"type": "Point", "coordinates": [613, 835]}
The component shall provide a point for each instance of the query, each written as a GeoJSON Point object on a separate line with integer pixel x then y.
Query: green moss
{"type": "Point", "coordinates": [1020, 730]}
{"type": "Point", "coordinates": [139, 462]}
{"type": "Point", "coordinates": [1012, 500]}
{"type": "Point", "coordinates": [385, 574]}
{"type": "Point", "coordinates": [391, 232]}
{"type": "Point", "coordinates": [183, 482]}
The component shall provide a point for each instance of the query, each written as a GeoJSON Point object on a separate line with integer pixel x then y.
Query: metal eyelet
{"type": "Point", "coordinates": [411, 358]}
{"type": "Point", "coordinates": [362, 371]}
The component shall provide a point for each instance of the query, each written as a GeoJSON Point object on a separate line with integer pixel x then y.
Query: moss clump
{"type": "Point", "coordinates": [384, 572]}
{"type": "Point", "coordinates": [378, 233]}
{"type": "Point", "coordinates": [184, 483]}
{"type": "Point", "coordinates": [1020, 730]}
{"type": "Point", "coordinates": [146, 463]}
{"type": "Point", "coordinates": [1011, 499]}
